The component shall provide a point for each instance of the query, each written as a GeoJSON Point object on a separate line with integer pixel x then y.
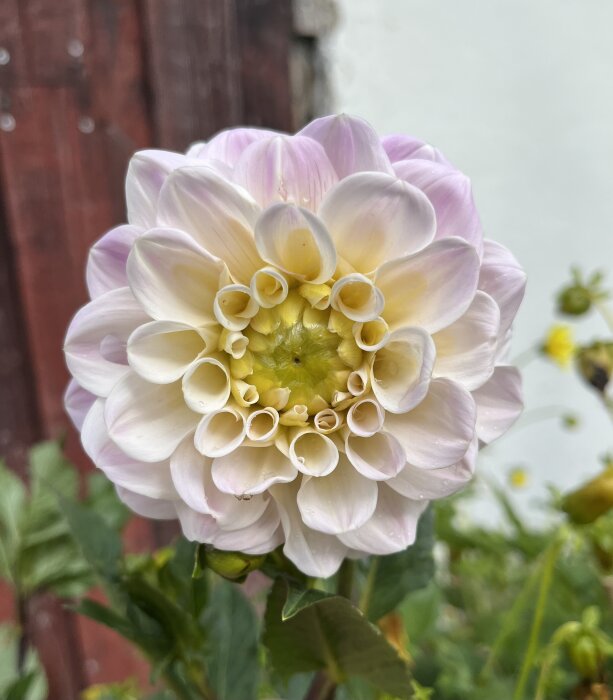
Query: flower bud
{"type": "Point", "coordinates": [233, 566]}
{"type": "Point", "coordinates": [595, 364]}
{"type": "Point", "coordinates": [591, 500]}
{"type": "Point", "coordinates": [575, 300]}
{"type": "Point", "coordinates": [585, 656]}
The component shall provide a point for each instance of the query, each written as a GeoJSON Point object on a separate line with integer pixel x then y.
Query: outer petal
{"type": "Point", "coordinates": [148, 421]}
{"type": "Point", "coordinates": [314, 553]}
{"type": "Point", "coordinates": [374, 217]}
{"type": "Point", "coordinates": [77, 402]}
{"type": "Point", "coordinates": [450, 192]}
{"type": "Point", "coordinates": [392, 527]}
{"type": "Point", "coordinates": [96, 338]}
{"type": "Point", "coordinates": [251, 470]}
{"type": "Point", "coordinates": [227, 146]}
{"type": "Point", "coordinates": [440, 430]}
{"type": "Point", "coordinates": [218, 215]}
{"type": "Point", "coordinates": [351, 144]}
{"type": "Point", "coordinates": [432, 288]}
{"type": "Point", "coordinates": [174, 278]}
{"type": "Point", "coordinates": [297, 242]}
{"type": "Point", "coordinates": [106, 264]}
{"type": "Point", "coordinates": [147, 507]}
{"type": "Point", "coordinates": [402, 147]}
{"type": "Point", "coordinates": [377, 457]}
{"type": "Point", "coordinates": [430, 484]}
{"type": "Point", "coordinates": [286, 169]}
{"type": "Point", "coordinates": [339, 502]}
{"type": "Point", "coordinates": [466, 350]}
{"type": "Point", "coordinates": [499, 403]}
{"type": "Point", "coordinates": [146, 479]}
{"type": "Point", "coordinates": [503, 279]}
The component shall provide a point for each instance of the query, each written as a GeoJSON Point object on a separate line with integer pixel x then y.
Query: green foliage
{"type": "Point", "coordinates": [26, 684]}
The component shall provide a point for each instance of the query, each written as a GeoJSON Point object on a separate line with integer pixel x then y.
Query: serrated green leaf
{"type": "Point", "coordinates": [232, 655]}
{"type": "Point", "coordinates": [333, 635]}
{"type": "Point", "coordinates": [399, 574]}
{"type": "Point", "coordinates": [299, 598]}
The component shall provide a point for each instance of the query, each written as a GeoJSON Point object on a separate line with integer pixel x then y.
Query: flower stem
{"type": "Point", "coordinates": [369, 585]}
{"type": "Point", "coordinates": [345, 579]}
{"type": "Point", "coordinates": [322, 687]}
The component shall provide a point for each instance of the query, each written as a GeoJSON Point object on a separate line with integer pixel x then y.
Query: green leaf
{"type": "Point", "coordinates": [20, 689]}
{"type": "Point", "coordinates": [12, 503]}
{"type": "Point", "coordinates": [331, 634]}
{"type": "Point", "coordinates": [105, 616]}
{"type": "Point", "coordinates": [102, 498]}
{"type": "Point", "coordinates": [232, 656]}
{"type": "Point", "coordinates": [396, 575]}
{"type": "Point", "coordinates": [299, 598]}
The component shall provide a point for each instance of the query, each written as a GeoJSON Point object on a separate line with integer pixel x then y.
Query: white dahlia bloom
{"type": "Point", "coordinates": [295, 340]}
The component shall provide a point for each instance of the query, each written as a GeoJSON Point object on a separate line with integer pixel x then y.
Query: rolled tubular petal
{"type": "Point", "coordinates": [432, 288]}
{"type": "Point", "coordinates": [466, 350]}
{"type": "Point", "coordinates": [401, 371]}
{"type": "Point", "coordinates": [173, 278]}
{"type": "Point", "coordinates": [392, 528]}
{"type": "Point", "coordinates": [297, 242]}
{"type": "Point", "coordinates": [269, 287]}
{"type": "Point", "coordinates": [77, 402]}
{"type": "Point", "coordinates": [327, 421]}
{"type": "Point", "coordinates": [206, 385]}
{"type": "Point", "coordinates": [371, 335]}
{"type": "Point", "coordinates": [218, 215]}
{"type": "Point", "coordinates": [439, 431]}
{"type": "Point", "coordinates": [377, 457]}
{"type": "Point", "coordinates": [339, 502]}
{"type": "Point", "coordinates": [147, 421]}
{"type": "Point", "coordinates": [251, 470]}
{"type": "Point", "coordinates": [106, 263]}
{"type": "Point", "coordinates": [313, 453]}
{"type": "Point", "coordinates": [499, 403]}
{"type": "Point", "coordinates": [357, 298]}
{"type": "Point", "coordinates": [234, 307]}
{"type": "Point", "coordinates": [220, 432]}
{"type": "Point", "coordinates": [358, 382]}
{"type": "Point", "coordinates": [96, 339]}
{"type": "Point", "coordinates": [262, 425]}
{"type": "Point", "coordinates": [365, 417]}
{"type": "Point", "coordinates": [374, 218]}
{"type": "Point", "coordinates": [351, 144]}
{"type": "Point", "coordinates": [286, 169]}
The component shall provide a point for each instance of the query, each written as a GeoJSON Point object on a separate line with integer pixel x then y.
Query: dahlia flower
{"type": "Point", "coordinates": [295, 340]}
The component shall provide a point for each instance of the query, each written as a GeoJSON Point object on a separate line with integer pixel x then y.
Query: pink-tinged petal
{"type": "Point", "coordinates": [450, 193]}
{"type": "Point", "coordinates": [147, 507]}
{"type": "Point", "coordinates": [430, 484]}
{"type": "Point", "coordinates": [314, 553]}
{"type": "Point", "coordinates": [402, 147]}
{"type": "Point", "coordinates": [439, 431]}
{"type": "Point", "coordinates": [95, 345]}
{"type": "Point", "coordinates": [466, 350]}
{"type": "Point", "coordinates": [432, 288]}
{"type": "Point", "coordinates": [374, 217]}
{"type": "Point", "coordinates": [351, 144]}
{"type": "Point", "coordinates": [216, 213]}
{"type": "Point", "coordinates": [106, 264]}
{"type": "Point", "coordinates": [251, 470]}
{"type": "Point", "coordinates": [147, 172]}
{"type": "Point", "coordinates": [286, 169]}
{"type": "Point", "coordinates": [392, 527]}
{"type": "Point", "coordinates": [378, 457]}
{"type": "Point", "coordinates": [227, 146]}
{"type": "Point", "coordinates": [339, 502]}
{"type": "Point", "coordinates": [147, 479]}
{"type": "Point", "coordinates": [173, 278]}
{"type": "Point", "coordinates": [503, 278]}
{"type": "Point", "coordinates": [148, 421]}
{"type": "Point", "coordinates": [499, 403]}
{"type": "Point", "coordinates": [77, 402]}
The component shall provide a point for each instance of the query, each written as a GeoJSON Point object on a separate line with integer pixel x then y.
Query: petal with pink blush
{"type": "Point", "coordinates": [146, 507]}
{"type": "Point", "coordinates": [251, 470]}
{"type": "Point", "coordinates": [499, 403]}
{"type": "Point", "coordinates": [106, 263]}
{"type": "Point", "coordinates": [227, 146]}
{"type": "Point", "coordinates": [77, 402]}
{"type": "Point", "coordinates": [402, 147]}
{"type": "Point", "coordinates": [378, 457]}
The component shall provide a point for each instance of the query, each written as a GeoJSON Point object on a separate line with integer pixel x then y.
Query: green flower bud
{"type": "Point", "coordinates": [585, 655]}
{"type": "Point", "coordinates": [575, 300]}
{"type": "Point", "coordinates": [233, 566]}
{"type": "Point", "coordinates": [595, 364]}
{"type": "Point", "coordinates": [591, 500]}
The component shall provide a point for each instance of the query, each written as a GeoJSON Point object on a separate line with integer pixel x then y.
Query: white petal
{"type": "Point", "coordinates": [357, 298]}
{"type": "Point", "coordinates": [466, 350]}
{"type": "Point", "coordinates": [499, 403]}
{"type": "Point", "coordinates": [147, 421]}
{"type": "Point", "coordinates": [228, 145]}
{"type": "Point", "coordinates": [106, 263]}
{"type": "Point", "coordinates": [371, 335]}
{"type": "Point", "coordinates": [351, 144]}
{"type": "Point", "coordinates": [312, 453]}
{"type": "Point", "coordinates": [96, 338]}
{"type": "Point", "coordinates": [430, 484]}
{"type": "Point", "coordinates": [373, 218]}
{"type": "Point", "coordinates": [401, 370]}
{"type": "Point", "coordinates": [392, 528]}
{"type": "Point", "coordinates": [432, 288]}
{"type": "Point", "coordinates": [234, 306]}
{"type": "Point", "coordinates": [365, 417]}
{"type": "Point", "coordinates": [206, 384]}
{"type": "Point", "coordinates": [218, 215]}
{"type": "Point", "coordinates": [327, 421]}
{"type": "Point", "coordinates": [439, 431]}
{"type": "Point", "coordinates": [220, 432]}
{"type": "Point", "coordinates": [297, 242]}
{"type": "Point", "coordinates": [269, 287]}
{"type": "Point", "coordinates": [252, 470]}
{"type": "Point", "coordinates": [162, 351]}
{"type": "Point", "coordinates": [286, 169]}
{"type": "Point", "coordinates": [339, 502]}
{"type": "Point", "coordinates": [174, 278]}
{"type": "Point", "coordinates": [503, 279]}
{"type": "Point", "coordinates": [147, 507]}
{"type": "Point", "coordinates": [378, 457]}
{"type": "Point", "coordinates": [77, 402]}
{"type": "Point", "coordinates": [262, 425]}
{"type": "Point", "coordinates": [314, 553]}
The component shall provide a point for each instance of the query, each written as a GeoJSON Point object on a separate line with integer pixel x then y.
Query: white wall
{"type": "Point", "coordinates": [519, 95]}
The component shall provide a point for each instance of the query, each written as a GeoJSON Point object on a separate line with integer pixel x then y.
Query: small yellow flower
{"type": "Point", "coordinates": [518, 478]}
{"type": "Point", "coordinates": [560, 345]}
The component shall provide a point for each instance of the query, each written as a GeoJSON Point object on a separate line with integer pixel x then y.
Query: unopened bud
{"type": "Point", "coordinates": [596, 364]}
{"type": "Point", "coordinates": [575, 300]}
{"type": "Point", "coordinates": [591, 500]}
{"type": "Point", "coordinates": [586, 656]}
{"type": "Point", "coordinates": [233, 566]}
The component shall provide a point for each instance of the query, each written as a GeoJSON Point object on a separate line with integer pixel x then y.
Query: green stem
{"type": "Point", "coordinates": [345, 579]}
{"type": "Point", "coordinates": [369, 585]}
{"type": "Point", "coordinates": [549, 563]}
{"type": "Point", "coordinates": [322, 687]}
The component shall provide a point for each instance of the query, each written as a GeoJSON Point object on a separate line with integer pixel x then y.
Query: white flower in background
{"type": "Point", "coordinates": [296, 340]}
